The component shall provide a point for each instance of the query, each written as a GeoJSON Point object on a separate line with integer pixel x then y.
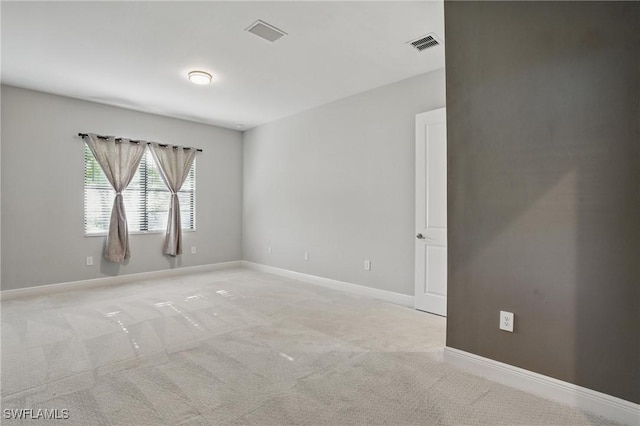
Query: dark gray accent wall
{"type": "Point", "coordinates": [543, 109]}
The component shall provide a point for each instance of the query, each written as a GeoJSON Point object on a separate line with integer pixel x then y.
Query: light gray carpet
{"type": "Point", "coordinates": [241, 347]}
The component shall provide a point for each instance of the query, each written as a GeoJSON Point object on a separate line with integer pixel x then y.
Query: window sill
{"type": "Point", "coordinates": [104, 234]}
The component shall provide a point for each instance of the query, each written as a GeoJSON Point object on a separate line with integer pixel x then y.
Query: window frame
{"type": "Point", "coordinates": [143, 170]}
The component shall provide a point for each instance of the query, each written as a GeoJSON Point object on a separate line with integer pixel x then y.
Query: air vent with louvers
{"type": "Point", "coordinates": [425, 42]}
{"type": "Point", "coordinates": [265, 31]}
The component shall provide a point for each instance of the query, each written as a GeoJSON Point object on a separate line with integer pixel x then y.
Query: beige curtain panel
{"type": "Point", "coordinates": [119, 161]}
{"type": "Point", "coordinates": [174, 163]}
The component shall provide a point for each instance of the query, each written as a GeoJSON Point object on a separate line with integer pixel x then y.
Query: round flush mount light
{"type": "Point", "coordinates": [200, 77]}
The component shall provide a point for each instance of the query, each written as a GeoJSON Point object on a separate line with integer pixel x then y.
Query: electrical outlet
{"type": "Point", "coordinates": [193, 249]}
{"type": "Point", "coordinates": [306, 255]}
{"type": "Point", "coordinates": [506, 321]}
{"type": "Point", "coordinates": [269, 250]}
{"type": "Point", "coordinates": [367, 265]}
{"type": "Point", "coordinates": [89, 260]}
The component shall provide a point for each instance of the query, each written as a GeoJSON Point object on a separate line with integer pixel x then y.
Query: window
{"type": "Point", "coordinates": [146, 199]}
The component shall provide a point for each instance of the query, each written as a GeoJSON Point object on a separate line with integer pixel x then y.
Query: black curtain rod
{"type": "Point", "coordinates": [164, 145]}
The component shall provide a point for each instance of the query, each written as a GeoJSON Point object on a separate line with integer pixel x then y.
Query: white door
{"type": "Point", "coordinates": [431, 212]}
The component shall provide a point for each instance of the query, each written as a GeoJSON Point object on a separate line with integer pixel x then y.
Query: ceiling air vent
{"type": "Point", "coordinates": [425, 42]}
{"type": "Point", "coordinates": [265, 31]}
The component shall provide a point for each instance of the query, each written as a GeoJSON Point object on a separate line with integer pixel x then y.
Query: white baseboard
{"type": "Point", "coordinates": [387, 296]}
{"type": "Point", "coordinates": [585, 399]}
{"type": "Point", "coordinates": [115, 280]}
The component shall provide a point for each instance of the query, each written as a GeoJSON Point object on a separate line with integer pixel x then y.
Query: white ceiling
{"type": "Point", "coordinates": [137, 54]}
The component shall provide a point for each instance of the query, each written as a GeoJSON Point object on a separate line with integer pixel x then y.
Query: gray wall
{"type": "Point", "coordinates": [42, 190]}
{"type": "Point", "coordinates": [338, 181]}
{"type": "Point", "coordinates": [544, 187]}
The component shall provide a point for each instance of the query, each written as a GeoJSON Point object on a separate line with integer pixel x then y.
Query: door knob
{"type": "Point", "coordinates": [420, 237]}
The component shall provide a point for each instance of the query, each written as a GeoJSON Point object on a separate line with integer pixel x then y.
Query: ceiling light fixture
{"type": "Point", "coordinates": [200, 77]}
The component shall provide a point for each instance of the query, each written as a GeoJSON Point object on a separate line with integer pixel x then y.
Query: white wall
{"type": "Point", "coordinates": [42, 190]}
{"type": "Point", "coordinates": [338, 181]}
